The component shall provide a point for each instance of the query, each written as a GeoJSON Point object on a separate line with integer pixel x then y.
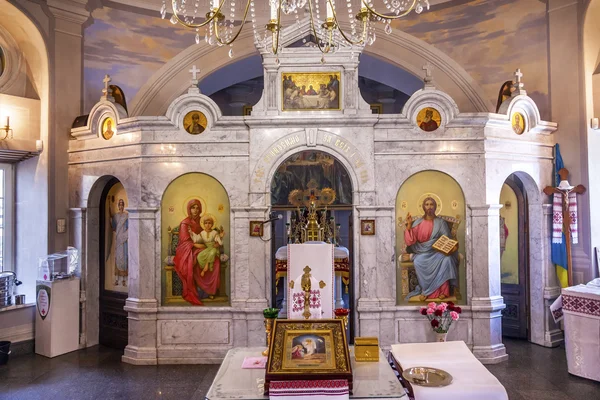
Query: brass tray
{"type": "Point", "coordinates": [425, 376]}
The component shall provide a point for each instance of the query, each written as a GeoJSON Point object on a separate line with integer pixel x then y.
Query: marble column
{"type": "Point", "coordinates": [376, 274]}
{"type": "Point", "coordinates": [566, 99]}
{"type": "Point", "coordinates": [77, 229]}
{"type": "Point", "coordinates": [141, 305]}
{"type": "Point", "coordinates": [487, 302]}
{"type": "Point", "coordinates": [251, 272]}
{"type": "Point", "coordinates": [66, 49]}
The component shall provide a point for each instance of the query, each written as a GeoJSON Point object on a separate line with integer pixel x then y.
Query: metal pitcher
{"type": "Point", "coordinates": [8, 281]}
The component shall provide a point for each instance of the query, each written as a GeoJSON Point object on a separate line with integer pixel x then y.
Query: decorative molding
{"type": "Point", "coordinates": [12, 60]}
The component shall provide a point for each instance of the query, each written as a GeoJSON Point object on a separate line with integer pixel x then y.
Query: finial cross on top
{"type": "Point", "coordinates": [194, 71]}
{"type": "Point", "coordinates": [428, 68]}
{"type": "Point", "coordinates": [518, 76]}
{"type": "Point", "coordinates": [106, 81]}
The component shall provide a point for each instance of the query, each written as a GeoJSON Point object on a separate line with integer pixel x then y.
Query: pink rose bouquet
{"type": "Point", "coordinates": [441, 315]}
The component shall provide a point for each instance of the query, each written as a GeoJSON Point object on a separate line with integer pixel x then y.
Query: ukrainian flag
{"type": "Point", "coordinates": [559, 250]}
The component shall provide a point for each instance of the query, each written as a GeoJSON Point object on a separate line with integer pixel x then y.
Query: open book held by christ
{"type": "Point", "coordinates": [445, 245]}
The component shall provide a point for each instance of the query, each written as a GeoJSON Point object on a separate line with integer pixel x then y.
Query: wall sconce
{"type": "Point", "coordinates": [6, 130]}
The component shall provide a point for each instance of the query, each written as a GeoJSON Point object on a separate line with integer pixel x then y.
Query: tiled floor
{"type": "Point", "coordinates": [532, 372]}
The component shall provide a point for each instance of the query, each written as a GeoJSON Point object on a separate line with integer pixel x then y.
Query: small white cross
{"type": "Point", "coordinates": [428, 69]}
{"type": "Point", "coordinates": [194, 71]}
{"type": "Point", "coordinates": [106, 81]}
{"type": "Point", "coordinates": [518, 76]}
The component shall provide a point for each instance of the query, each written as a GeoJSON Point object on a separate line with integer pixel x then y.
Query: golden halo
{"type": "Point", "coordinates": [205, 217]}
{"type": "Point", "coordinates": [202, 203]}
{"type": "Point", "coordinates": [437, 199]}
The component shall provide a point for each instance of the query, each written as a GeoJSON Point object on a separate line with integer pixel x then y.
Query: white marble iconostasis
{"type": "Point", "coordinates": [476, 151]}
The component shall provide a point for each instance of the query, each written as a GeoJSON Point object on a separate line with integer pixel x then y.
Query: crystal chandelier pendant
{"type": "Point", "coordinates": [221, 20]}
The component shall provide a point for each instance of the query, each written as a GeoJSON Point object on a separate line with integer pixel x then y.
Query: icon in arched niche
{"type": "Point", "coordinates": [429, 119]}
{"type": "Point", "coordinates": [195, 122]}
{"type": "Point", "coordinates": [195, 241]}
{"type": "Point", "coordinates": [430, 237]}
{"type": "Point", "coordinates": [518, 123]}
{"type": "Point", "coordinates": [116, 261]}
{"type": "Point", "coordinates": [108, 128]}
{"type": "Point", "coordinates": [311, 165]}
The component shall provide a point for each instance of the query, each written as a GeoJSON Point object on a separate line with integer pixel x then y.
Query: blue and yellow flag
{"type": "Point", "coordinates": [559, 250]}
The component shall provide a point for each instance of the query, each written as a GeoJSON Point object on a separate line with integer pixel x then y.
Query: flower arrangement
{"type": "Point", "coordinates": [441, 315]}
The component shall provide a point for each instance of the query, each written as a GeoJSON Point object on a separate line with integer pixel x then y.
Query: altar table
{"type": "Point", "coordinates": [371, 380]}
{"type": "Point", "coordinates": [472, 381]}
{"type": "Point", "coordinates": [581, 308]}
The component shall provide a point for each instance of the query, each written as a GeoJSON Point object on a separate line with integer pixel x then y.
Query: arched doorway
{"type": "Point", "coordinates": [311, 171]}
{"type": "Point", "coordinates": [113, 257]}
{"type": "Point", "coordinates": [514, 255]}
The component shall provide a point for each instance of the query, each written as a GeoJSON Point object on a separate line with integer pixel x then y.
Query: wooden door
{"type": "Point", "coordinates": [514, 260]}
{"type": "Point", "coordinates": [113, 266]}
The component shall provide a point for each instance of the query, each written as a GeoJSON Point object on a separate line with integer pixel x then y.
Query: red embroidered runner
{"type": "Point", "coordinates": [582, 305]}
{"type": "Point", "coordinates": [309, 388]}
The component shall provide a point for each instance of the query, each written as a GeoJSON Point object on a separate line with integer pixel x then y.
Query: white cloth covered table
{"type": "Point", "coordinates": [581, 309]}
{"type": "Point", "coordinates": [472, 381]}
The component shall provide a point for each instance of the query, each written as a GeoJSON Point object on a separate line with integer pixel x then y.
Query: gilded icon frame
{"type": "Point", "coordinates": [329, 359]}
{"type": "Point", "coordinates": [367, 226]}
{"type": "Point", "coordinates": [253, 228]}
{"type": "Point", "coordinates": [316, 79]}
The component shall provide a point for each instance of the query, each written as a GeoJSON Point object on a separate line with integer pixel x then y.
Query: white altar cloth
{"type": "Point", "coordinates": [472, 381]}
{"type": "Point", "coordinates": [581, 308]}
{"type": "Point", "coordinates": [339, 252]}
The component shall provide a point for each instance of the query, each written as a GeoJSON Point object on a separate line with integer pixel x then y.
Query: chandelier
{"type": "Point", "coordinates": [220, 25]}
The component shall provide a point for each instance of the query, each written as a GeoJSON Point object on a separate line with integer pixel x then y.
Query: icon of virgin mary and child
{"type": "Point", "coordinates": [198, 259]}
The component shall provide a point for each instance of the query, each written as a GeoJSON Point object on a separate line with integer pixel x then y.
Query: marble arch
{"type": "Point", "coordinates": [541, 276]}
{"type": "Point", "coordinates": [399, 48]}
{"type": "Point", "coordinates": [90, 270]}
{"type": "Point", "coordinates": [275, 162]}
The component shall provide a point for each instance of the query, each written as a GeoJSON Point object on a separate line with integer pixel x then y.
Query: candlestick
{"type": "Point", "coordinates": [7, 120]}
{"type": "Point", "coordinates": [329, 10]}
{"type": "Point", "coordinates": [215, 4]}
{"type": "Point", "coordinates": [274, 10]}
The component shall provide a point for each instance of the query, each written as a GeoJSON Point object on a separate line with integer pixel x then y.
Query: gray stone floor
{"type": "Point", "coordinates": [532, 372]}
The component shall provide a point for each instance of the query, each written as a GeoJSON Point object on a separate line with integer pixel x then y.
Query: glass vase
{"type": "Point", "coordinates": [440, 336]}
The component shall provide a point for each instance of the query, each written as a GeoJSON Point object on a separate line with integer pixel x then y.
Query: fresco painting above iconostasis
{"type": "Point", "coordinates": [430, 219]}
{"type": "Point", "coordinates": [195, 248]}
{"type": "Point", "coordinates": [116, 233]}
{"type": "Point", "coordinates": [467, 32]}
{"type": "Point", "coordinates": [490, 30]}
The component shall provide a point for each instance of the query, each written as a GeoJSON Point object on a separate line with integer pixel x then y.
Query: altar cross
{"type": "Point", "coordinates": [564, 192]}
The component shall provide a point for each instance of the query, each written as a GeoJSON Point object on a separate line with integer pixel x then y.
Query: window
{"type": "Point", "coordinates": [6, 217]}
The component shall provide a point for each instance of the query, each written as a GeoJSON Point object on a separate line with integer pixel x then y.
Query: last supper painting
{"type": "Point", "coordinates": [195, 241]}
